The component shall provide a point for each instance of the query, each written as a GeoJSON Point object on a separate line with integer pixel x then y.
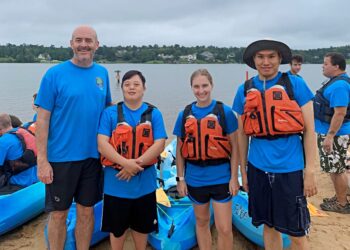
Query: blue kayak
{"type": "Point", "coordinates": [97, 235]}
{"type": "Point", "coordinates": [177, 228]}
{"type": "Point", "coordinates": [177, 224]}
{"type": "Point", "coordinates": [243, 222]}
{"type": "Point", "coordinates": [21, 206]}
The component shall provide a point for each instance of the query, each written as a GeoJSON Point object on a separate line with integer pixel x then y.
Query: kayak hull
{"type": "Point", "coordinates": [21, 206]}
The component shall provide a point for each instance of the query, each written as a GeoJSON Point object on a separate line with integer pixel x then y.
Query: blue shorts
{"type": "Point", "coordinates": [202, 195]}
{"type": "Point", "coordinates": [277, 200]}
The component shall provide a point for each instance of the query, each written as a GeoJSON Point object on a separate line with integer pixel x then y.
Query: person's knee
{"type": "Point", "coordinates": [85, 213]}
{"type": "Point", "coordinates": [225, 229]}
{"type": "Point", "coordinates": [202, 221]}
{"type": "Point", "coordinates": [59, 216]}
{"type": "Point", "coordinates": [298, 241]}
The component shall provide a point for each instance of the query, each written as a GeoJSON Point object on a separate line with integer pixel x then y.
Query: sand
{"type": "Point", "coordinates": [332, 232]}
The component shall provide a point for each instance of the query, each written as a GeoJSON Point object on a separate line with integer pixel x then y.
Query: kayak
{"type": "Point", "coordinates": [21, 206]}
{"type": "Point", "coordinates": [97, 235]}
{"type": "Point", "coordinates": [177, 226]}
{"type": "Point", "coordinates": [243, 222]}
{"type": "Point", "coordinates": [177, 223]}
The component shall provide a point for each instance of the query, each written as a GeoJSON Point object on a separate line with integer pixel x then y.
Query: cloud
{"type": "Point", "coordinates": [301, 24]}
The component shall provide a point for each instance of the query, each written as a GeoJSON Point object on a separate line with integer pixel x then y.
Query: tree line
{"type": "Point", "coordinates": [24, 53]}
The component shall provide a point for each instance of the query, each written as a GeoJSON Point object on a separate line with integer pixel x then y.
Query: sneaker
{"type": "Point", "coordinates": [330, 200]}
{"type": "Point", "coordinates": [336, 207]}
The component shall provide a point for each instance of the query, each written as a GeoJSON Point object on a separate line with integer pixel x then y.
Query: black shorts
{"type": "Point", "coordinates": [277, 200]}
{"type": "Point", "coordinates": [139, 214]}
{"type": "Point", "coordinates": [202, 195]}
{"type": "Point", "coordinates": [81, 180]}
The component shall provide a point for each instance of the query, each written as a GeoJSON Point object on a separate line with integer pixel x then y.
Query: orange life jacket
{"type": "Point", "coordinates": [28, 159]}
{"type": "Point", "coordinates": [204, 141]}
{"type": "Point", "coordinates": [131, 142]}
{"type": "Point", "coordinates": [32, 128]}
{"type": "Point", "coordinates": [272, 113]}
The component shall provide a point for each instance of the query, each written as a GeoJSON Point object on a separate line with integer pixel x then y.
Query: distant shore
{"type": "Point", "coordinates": [150, 54]}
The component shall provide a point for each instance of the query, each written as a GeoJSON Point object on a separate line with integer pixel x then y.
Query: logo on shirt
{"type": "Point", "coordinates": [99, 83]}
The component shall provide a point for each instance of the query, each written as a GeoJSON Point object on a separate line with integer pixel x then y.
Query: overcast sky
{"type": "Point", "coordinates": [302, 24]}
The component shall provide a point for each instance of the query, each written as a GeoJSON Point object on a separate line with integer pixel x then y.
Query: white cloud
{"type": "Point", "coordinates": [301, 24]}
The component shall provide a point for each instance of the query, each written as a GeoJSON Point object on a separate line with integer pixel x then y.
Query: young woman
{"type": "Point", "coordinates": [207, 160]}
{"type": "Point", "coordinates": [131, 137]}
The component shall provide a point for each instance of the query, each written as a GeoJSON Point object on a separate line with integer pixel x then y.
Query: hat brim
{"type": "Point", "coordinates": [253, 48]}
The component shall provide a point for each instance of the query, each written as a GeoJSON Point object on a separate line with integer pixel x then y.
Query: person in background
{"type": "Point", "coordinates": [332, 122]}
{"type": "Point", "coordinates": [31, 126]}
{"type": "Point", "coordinates": [34, 107]}
{"type": "Point", "coordinates": [70, 100]}
{"type": "Point", "coordinates": [295, 65]}
{"type": "Point", "coordinates": [208, 175]}
{"type": "Point", "coordinates": [14, 169]}
{"type": "Point", "coordinates": [280, 177]}
{"type": "Point", "coordinates": [131, 136]}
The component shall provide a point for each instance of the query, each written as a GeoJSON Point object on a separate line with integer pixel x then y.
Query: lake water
{"type": "Point", "coordinates": [167, 85]}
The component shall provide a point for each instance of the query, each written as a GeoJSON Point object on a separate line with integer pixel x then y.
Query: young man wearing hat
{"type": "Point", "coordinates": [275, 111]}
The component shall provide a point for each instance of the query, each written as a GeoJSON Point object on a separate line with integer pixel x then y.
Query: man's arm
{"type": "Point", "coordinates": [243, 152]}
{"type": "Point", "coordinates": [45, 173]}
{"type": "Point", "coordinates": [309, 137]}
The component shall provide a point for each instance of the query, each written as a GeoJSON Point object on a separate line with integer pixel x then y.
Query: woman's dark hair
{"type": "Point", "coordinates": [132, 73]}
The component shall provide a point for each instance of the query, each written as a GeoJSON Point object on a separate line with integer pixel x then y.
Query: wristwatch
{"type": "Point", "coordinates": [180, 178]}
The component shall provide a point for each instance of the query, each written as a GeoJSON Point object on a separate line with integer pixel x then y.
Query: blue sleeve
{"type": "Point", "coordinates": [106, 123]}
{"type": "Point", "coordinates": [46, 97]}
{"type": "Point", "coordinates": [339, 95]}
{"type": "Point", "coordinates": [302, 92]}
{"type": "Point", "coordinates": [238, 102]}
{"type": "Point", "coordinates": [178, 125]}
{"type": "Point", "coordinates": [158, 127]}
{"type": "Point", "coordinates": [231, 120]}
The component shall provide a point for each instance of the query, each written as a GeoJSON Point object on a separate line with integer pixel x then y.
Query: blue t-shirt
{"type": "Point", "coordinates": [284, 154]}
{"type": "Point", "coordinates": [144, 182]}
{"type": "Point", "coordinates": [11, 149]}
{"type": "Point", "coordinates": [338, 95]}
{"type": "Point", "coordinates": [76, 97]}
{"type": "Point", "coordinates": [198, 176]}
{"type": "Point", "coordinates": [291, 74]}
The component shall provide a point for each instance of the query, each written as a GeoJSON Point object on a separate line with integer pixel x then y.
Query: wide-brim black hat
{"type": "Point", "coordinates": [253, 48]}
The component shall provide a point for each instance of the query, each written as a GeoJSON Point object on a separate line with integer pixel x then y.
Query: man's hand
{"type": "Point", "coordinates": [45, 172]}
{"type": "Point", "coordinates": [327, 144]}
{"type": "Point", "coordinates": [310, 188]}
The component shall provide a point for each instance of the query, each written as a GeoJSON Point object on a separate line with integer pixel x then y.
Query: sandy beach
{"type": "Point", "coordinates": [332, 232]}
